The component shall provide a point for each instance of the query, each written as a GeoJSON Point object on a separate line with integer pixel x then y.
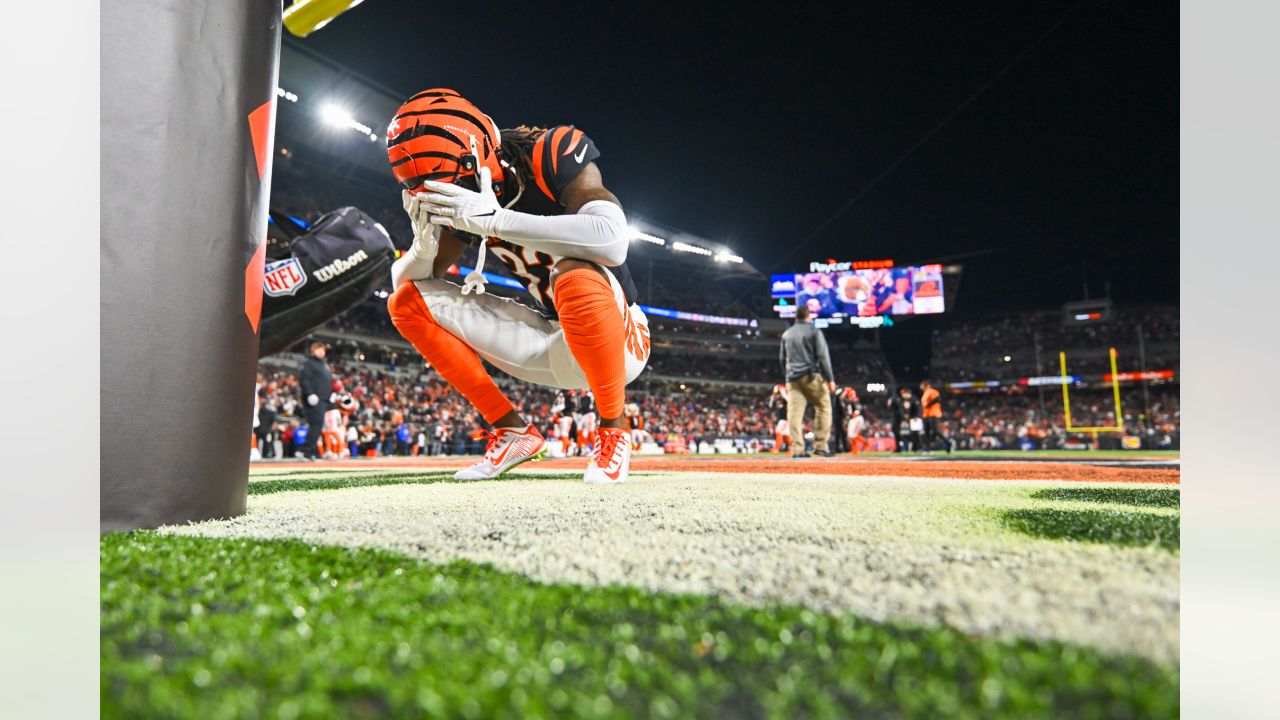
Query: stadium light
{"type": "Point", "coordinates": [686, 247]}
{"type": "Point", "coordinates": [638, 235]}
{"type": "Point", "coordinates": [286, 95]}
{"type": "Point", "coordinates": [726, 256]}
{"type": "Point", "coordinates": [336, 116]}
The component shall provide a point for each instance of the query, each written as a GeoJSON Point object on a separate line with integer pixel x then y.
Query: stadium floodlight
{"type": "Point", "coordinates": [686, 247]}
{"type": "Point", "coordinates": [335, 116]}
{"type": "Point", "coordinates": [638, 235]}
{"type": "Point", "coordinates": [726, 256]}
{"type": "Point", "coordinates": [286, 95]}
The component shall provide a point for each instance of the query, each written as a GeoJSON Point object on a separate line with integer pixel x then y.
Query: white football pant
{"type": "Point", "coordinates": [515, 338]}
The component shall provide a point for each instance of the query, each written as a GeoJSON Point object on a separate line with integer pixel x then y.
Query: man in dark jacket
{"type": "Point", "coordinates": [905, 407]}
{"type": "Point", "coordinates": [266, 430]}
{"type": "Point", "coordinates": [806, 365]}
{"type": "Point", "coordinates": [317, 386]}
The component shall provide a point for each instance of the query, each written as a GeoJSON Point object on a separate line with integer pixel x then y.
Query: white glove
{"type": "Point", "coordinates": [313, 399]}
{"type": "Point", "coordinates": [419, 217]}
{"type": "Point", "coordinates": [418, 262]}
{"type": "Point", "coordinates": [462, 209]}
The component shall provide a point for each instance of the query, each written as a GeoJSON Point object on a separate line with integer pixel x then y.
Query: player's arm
{"type": "Point", "coordinates": [594, 228]}
{"type": "Point", "coordinates": [587, 187]}
{"type": "Point", "coordinates": [451, 247]}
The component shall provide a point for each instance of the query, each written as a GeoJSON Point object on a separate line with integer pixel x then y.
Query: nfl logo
{"type": "Point", "coordinates": [283, 277]}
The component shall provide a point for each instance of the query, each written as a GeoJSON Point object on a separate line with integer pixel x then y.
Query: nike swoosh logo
{"type": "Point", "coordinates": [613, 475]}
{"type": "Point", "coordinates": [580, 154]}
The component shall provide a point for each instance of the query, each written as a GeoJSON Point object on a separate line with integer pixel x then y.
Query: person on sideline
{"type": "Point", "coordinates": [806, 365]}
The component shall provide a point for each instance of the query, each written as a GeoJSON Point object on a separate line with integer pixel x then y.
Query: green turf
{"type": "Point", "coordinates": [1142, 497]}
{"type": "Point", "coordinates": [205, 628]}
{"type": "Point", "coordinates": [1113, 527]}
{"type": "Point", "coordinates": [334, 482]}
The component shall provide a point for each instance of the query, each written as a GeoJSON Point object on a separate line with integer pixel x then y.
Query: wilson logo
{"type": "Point", "coordinates": [339, 266]}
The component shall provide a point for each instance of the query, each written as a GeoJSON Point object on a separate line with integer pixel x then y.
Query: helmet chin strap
{"type": "Point", "coordinates": [474, 282]}
{"type": "Point", "coordinates": [506, 166]}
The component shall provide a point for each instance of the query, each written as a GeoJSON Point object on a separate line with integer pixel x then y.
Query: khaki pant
{"type": "Point", "coordinates": [809, 389]}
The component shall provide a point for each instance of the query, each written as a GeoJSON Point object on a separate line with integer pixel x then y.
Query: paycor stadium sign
{"type": "Point", "coordinates": [831, 266]}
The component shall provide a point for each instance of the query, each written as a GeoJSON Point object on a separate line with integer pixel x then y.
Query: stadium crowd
{"type": "Point", "coordinates": [995, 346]}
{"type": "Point", "coordinates": [408, 412]}
{"type": "Point", "coordinates": [1019, 420]}
{"type": "Point", "coordinates": [411, 411]}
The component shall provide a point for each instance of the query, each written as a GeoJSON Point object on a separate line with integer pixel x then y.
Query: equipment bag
{"type": "Point", "coordinates": [329, 269]}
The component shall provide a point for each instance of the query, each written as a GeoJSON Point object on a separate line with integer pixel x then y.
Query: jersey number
{"type": "Point", "coordinates": [535, 270]}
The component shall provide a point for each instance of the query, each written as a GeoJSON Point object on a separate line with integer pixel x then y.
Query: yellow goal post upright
{"type": "Point", "coordinates": [1066, 398]}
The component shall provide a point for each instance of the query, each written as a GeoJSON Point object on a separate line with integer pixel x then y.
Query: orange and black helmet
{"type": "Point", "coordinates": [431, 138]}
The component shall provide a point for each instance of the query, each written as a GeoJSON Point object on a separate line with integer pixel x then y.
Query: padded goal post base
{"type": "Point", "coordinates": [187, 119]}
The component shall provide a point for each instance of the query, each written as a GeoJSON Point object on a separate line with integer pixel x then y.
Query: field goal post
{"type": "Point", "coordinates": [1066, 398]}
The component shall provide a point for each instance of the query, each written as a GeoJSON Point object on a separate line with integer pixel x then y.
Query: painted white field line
{"type": "Point", "coordinates": [922, 550]}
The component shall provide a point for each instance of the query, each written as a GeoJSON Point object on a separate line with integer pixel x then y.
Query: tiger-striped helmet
{"type": "Point", "coordinates": [431, 138]}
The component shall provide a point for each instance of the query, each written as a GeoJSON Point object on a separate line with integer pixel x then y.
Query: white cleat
{"type": "Point", "coordinates": [507, 448]}
{"type": "Point", "coordinates": [612, 457]}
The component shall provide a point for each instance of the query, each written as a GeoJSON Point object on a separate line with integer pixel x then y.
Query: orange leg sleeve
{"type": "Point", "coordinates": [453, 359]}
{"type": "Point", "coordinates": [596, 334]}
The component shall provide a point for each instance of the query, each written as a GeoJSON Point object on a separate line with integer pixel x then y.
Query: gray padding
{"type": "Point", "coordinates": [183, 210]}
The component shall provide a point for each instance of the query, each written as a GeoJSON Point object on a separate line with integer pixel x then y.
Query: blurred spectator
{"type": "Point", "coordinates": [906, 420]}
{"type": "Point", "coordinates": [931, 410]}
{"type": "Point", "coordinates": [317, 385]}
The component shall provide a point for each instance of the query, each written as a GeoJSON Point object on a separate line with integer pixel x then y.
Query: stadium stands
{"type": "Point", "coordinates": [1001, 355]}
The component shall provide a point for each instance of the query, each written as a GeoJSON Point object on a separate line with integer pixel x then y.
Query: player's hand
{"type": "Point", "coordinates": [462, 209]}
{"type": "Point", "coordinates": [831, 386]}
{"type": "Point", "coordinates": [425, 233]}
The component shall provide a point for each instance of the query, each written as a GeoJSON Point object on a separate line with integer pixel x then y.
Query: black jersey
{"type": "Point", "coordinates": [564, 404]}
{"type": "Point", "coordinates": [586, 403]}
{"type": "Point", "coordinates": [849, 405]}
{"type": "Point", "coordinates": [557, 156]}
{"type": "Point", "coordinates": [778, 404]}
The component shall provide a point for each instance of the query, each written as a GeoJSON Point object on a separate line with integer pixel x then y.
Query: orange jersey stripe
{"type": "Point", "coordinates": [537, 166]}
{"type": "Point", "coordinates": [573, 143]}
{"type": "Point", "coordinates": [556, 136]}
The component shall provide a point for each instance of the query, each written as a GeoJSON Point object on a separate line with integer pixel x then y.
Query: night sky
{"type": "Point", "coordinates": [753, 127]}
